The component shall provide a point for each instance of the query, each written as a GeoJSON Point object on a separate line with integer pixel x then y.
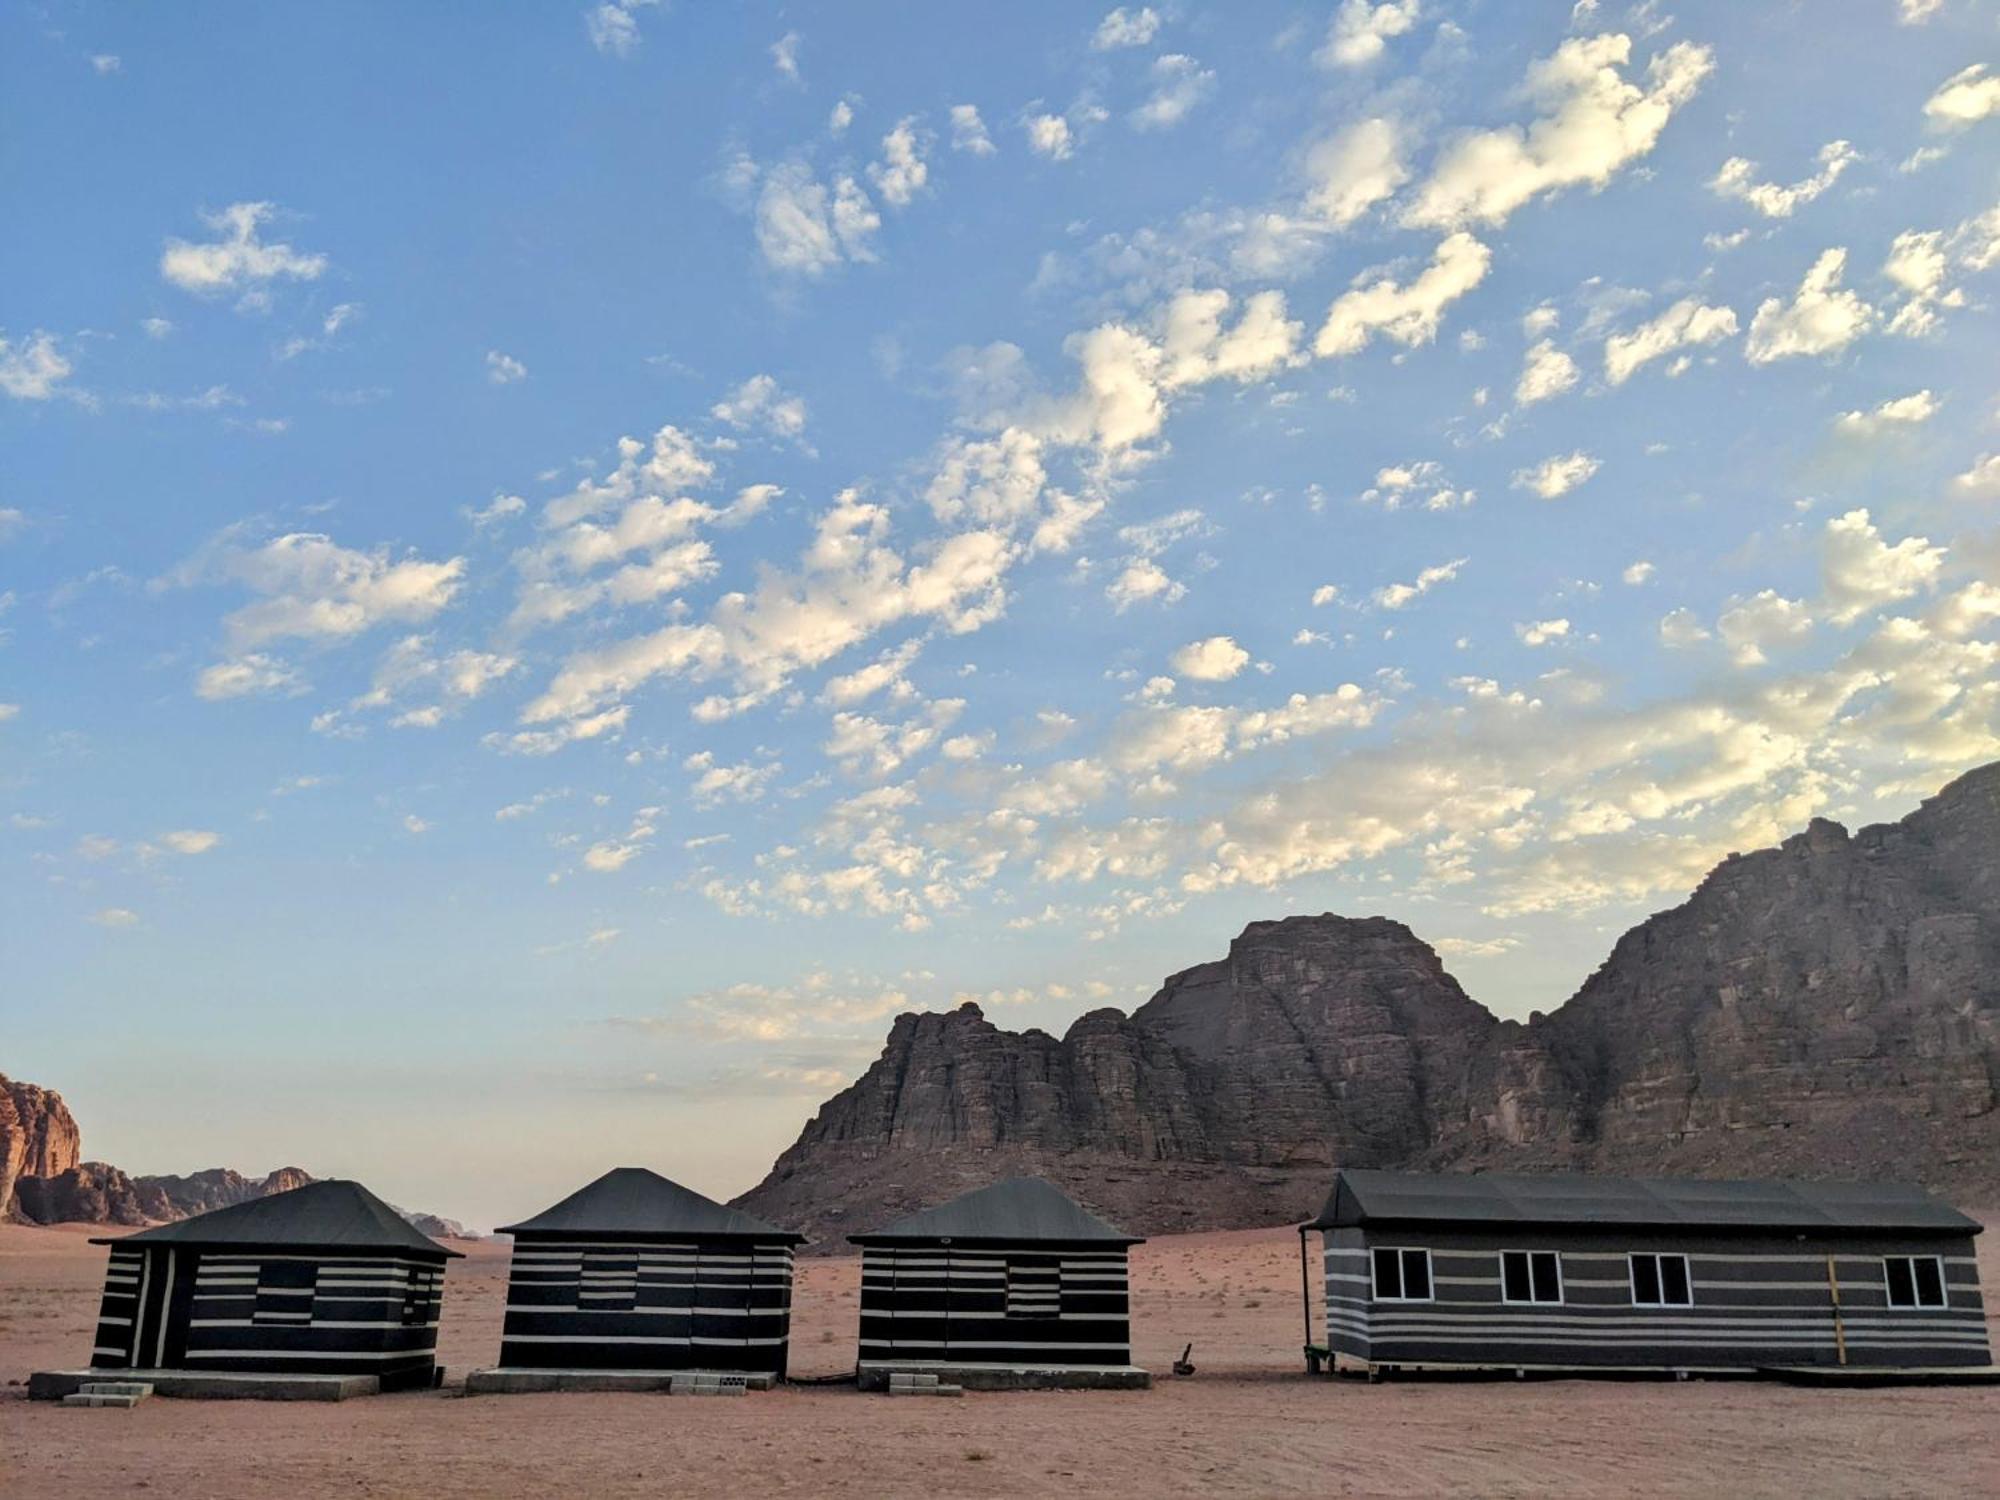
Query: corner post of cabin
{"type": "Point", "coordinates": [1306, 1299]}
{"type": "Point", "coordinates": [1839, 1324]}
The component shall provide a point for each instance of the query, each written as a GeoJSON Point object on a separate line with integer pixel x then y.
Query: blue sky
{"type": "Point", "coordinates": [560, 566]}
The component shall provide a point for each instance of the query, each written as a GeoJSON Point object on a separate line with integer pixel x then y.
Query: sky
{"type": "Point", "coordinates": [562, 565]}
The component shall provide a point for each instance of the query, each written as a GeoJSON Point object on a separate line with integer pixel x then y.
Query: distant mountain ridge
{"type": "Point", "coordinates": [44, 1180]}
{"type": "Point", "coordinates": [1830, 1007]}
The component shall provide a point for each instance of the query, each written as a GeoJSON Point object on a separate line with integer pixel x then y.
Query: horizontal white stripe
{"type": "Point", "coordinates": [598, 1338]}
{"type": "Point", "coordinates": [329, 1355]}
{"type": "Point", "coordinates": [104, 1322]}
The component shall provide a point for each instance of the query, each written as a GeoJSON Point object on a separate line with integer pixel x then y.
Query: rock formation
{"type": "Point", "coordinates": [1830, 1007]}
{"type": "Point", "coordinates": [44, 1181]}
{"type": "Point", "coordinates": [38, 1138]}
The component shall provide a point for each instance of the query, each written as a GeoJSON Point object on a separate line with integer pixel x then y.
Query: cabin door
{"type": "Point", "coordinates": [976, 1304]}
{"type": "Point", "coordinates": [166, 1302]}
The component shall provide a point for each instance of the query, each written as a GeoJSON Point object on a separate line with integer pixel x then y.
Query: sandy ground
{"type": "Point", "coordinates": [1247, 1422]}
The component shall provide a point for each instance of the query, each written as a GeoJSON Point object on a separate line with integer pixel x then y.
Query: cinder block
{"type": "Point", "coordinates": [79, 1399]}
{"type": "Point", "coordinates": [115, 1388]}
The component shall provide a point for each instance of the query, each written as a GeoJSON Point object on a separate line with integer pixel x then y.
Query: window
{"type": "Point", "coordinates": [1530, 1276]}
{"type": "Point", "coordinates": [1661, 1281]}
{"type": "Point", "coordinates": [1402, 1275]}
{"type": "Point", "coordinates": [610, 1281]}
{"type": "Point", "coordinates": [1034, 1289]}
{"type": "Point", "coordinates": [285, 1291]}
{"type": "Point", "coordinates": [1915, 1280]}
{"type": "Point", "coordinates": [419, 1293]}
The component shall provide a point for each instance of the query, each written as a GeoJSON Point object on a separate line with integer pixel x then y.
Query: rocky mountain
{"type": "Point", "coordinates": [38, 1136]}
{"type": "Point", "coordinates": [44, 1181]}
{"type": "Point", "coordinates": [1830, 1007]}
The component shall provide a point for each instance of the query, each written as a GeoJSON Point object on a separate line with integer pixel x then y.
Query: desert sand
{"type": "Point", "coordinates": [1248, 1422]}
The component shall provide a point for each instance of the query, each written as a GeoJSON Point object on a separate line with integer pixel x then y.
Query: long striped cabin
{"type": "Point", "coordinates": [635, 1272]}
{"type": "Point", "coordinates": [1014, 1275]}
{"type": "Point", "coordinates": [1570, 1270]}
{"type": "Point", "coordinates": [326, 1279]}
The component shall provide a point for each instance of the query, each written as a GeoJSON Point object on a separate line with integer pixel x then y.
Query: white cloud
{"type": "Point", "coordinates": [1965, 98]}
{"type": "Point", "coordinates": [1557, 475]}
{"type": "Point", "coordinates": [1216, 659]}
{"type": "Point", "coordinates": [901, 173]}
{"type": "Point", "coordinates": [1680, 627]}
{"type": "Point", "coordinates": [1408, 314]}
{"type": "Point", "coordinates": [1049, 135]}
{"type": "Point", "coordinates": [1688, 322]}
{"type": "Point", "coordinates": [1424, 484]}
{"type": "Point", "coordinates": [840, 117]}
{"type": "Point", "coordinates": [190, 840]}
{"type": "Point", "coordinates": [1397, 595]}
{"type": "Point", "coordinates": [1860, 572]}
{"type": "Point", "coordinates": [9, 711]}
{"type": "Point", "coordinates": [613, 27]}
{"type": "Point", "coordinates": [1765, 622]}
{"type": "Point", "coordinates": [1916, 12]}
{"type": "Point", "coordinates": [1349, 172]}
{"type": "Point", "coordinates": [1901, 411]}
{"type": "Point", "coordinates": [968, 131]}
{"type": "Point", "coordinates": [807, 228]}
{"type": "Point", "coordinates": [1179, 84]}
{"type": "Point", "coordinates": [761, 403]}
{"type": "Point", "coordinates": [35, 370]}
{"type": "Point", "coordinates": [115, 916]}
{"type": "Point", "coordinates": [851, 583]}
{"type": "Point", "coordinates": [503, 508]}
{"type": "Point", "coordinates": [1773, 201]}
{"type": "Point", "coordinates": [106, 63]}
{"type": "Point", "coordinates": [1360, 31]}
{"type": "Point", "coordinates": [716, 783]}
{"type": "Point", "coordinates": [1983, 478]}
{"type": "Point", "coordinates": [1823, 317]}
{"type": "Point", "coordinates": [1546, 371]}
{"type": "Point", "coordinates": [1637, 573]}
{"type": "Point", "coordinates": [239, 260]}
{"type": "Point", "coordinates": [1541, 632]}
{"type": "Point", "coordinates": [1142, 579]}
{"type": "Point", "coordinates": [1126, 28]}
{"type": "Point", "coordinates": [1593, 123]}
{"type": "Point", "coordinates": [242, 676]}
{"type": "Point", "coordinates": [504, 369]}
{"type": "Point", "coordinates": [156, 328]}
{"type": "Point", "coordinates": [886, 672]}
{"type": "Point", "coordinates": [313, 588]}
{"type": "Point", "coordinates": [785, 55]}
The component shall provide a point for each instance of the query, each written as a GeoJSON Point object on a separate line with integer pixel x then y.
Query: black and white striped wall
{"type": "Point", "coordinates": [1751, 1299]}
{"type": "Point", "coordinates": [648, 1304]}
{"type": "Point", "coordinates": [1036, 1305]}
{"type": "Point", "coordinates": [180, 1307]}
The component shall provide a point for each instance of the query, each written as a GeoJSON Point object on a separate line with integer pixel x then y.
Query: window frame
{"type": "Point", "coordinates": [1659, 1259]}
{"type": "Point", "coordinates": [1375, 1293]}
{"type": "Point", "coordinates": [1916, 1302]}
{"type": "Point", "coordinates": [1531, 1300]}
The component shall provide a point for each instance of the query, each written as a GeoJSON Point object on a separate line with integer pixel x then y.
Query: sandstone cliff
{"type": "Point", "coordinates": [1829, 1007]}
{"type": "Point", "coordinates": [38, 1137]}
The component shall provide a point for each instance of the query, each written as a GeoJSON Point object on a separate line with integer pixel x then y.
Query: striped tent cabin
{"type": "Point", "coordinates": [1578, 1271]}
{"type": "Point", "coordinates": [326, 1279]}
{"type": "Point", "coordinates": [1014, 1276]}
{"type": "Point", "coordinates": [635, 1272]}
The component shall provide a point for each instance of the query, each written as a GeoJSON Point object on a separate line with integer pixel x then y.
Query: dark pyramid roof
{"type": "Point", "coordinates": [1018, 1209]}
{"type": "Point", "coordinates": [632, 1200]}
{"type": "Point", "coordinates": [334, 1215]}
{"type": "Point", "coordinates": [1574, 1199]}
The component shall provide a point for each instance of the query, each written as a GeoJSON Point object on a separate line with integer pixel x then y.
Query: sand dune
{"type": "Point", "coordinates": [1248, 1422]}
